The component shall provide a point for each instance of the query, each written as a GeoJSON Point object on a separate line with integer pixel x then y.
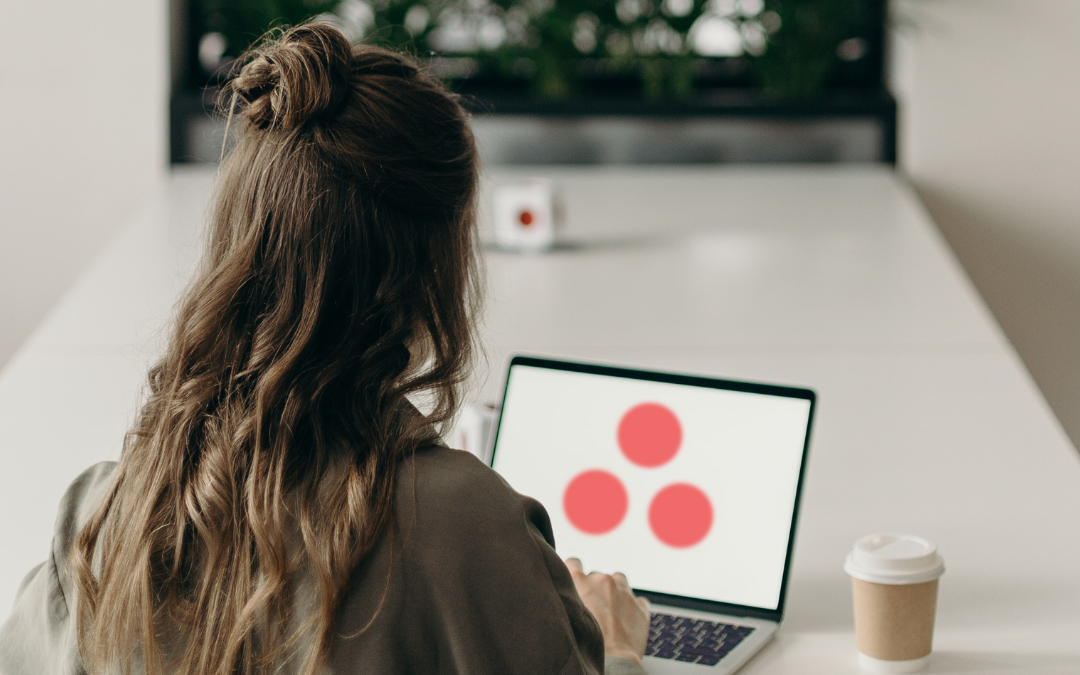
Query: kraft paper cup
{"type": "Point", "coordinates": [894, 581]}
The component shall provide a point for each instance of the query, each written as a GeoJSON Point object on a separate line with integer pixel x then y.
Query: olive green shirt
{"type": "Point", "coordinates": [475, 586]}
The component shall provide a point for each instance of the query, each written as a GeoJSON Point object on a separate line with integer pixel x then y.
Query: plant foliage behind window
{"type": "Point", "coordinates": [664, 49]}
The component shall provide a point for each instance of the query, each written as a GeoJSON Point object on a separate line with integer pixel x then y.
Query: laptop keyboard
{"type": "Point", "coordinates": [684, 639]}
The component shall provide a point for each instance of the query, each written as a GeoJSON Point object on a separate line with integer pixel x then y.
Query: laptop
{"type": "Point", "coordinates": [688, 485]}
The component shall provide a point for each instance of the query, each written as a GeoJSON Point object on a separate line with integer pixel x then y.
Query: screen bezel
{"type": "Point", "coordinates": [689, 602]}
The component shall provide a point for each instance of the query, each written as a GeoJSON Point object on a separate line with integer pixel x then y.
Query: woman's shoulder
{"type": "Point", "coordinates": [454, 472]}
{"type": "Point", "coordinates": [456, 486]}
{"type": "Point", "coordinates": [80, 501]}
{"type": "Point", "coordinates": [39, 634]}
{"type": "Point", "coordinates": [450, 495]}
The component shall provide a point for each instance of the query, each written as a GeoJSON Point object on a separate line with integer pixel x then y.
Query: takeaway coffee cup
{"type": "Point", "coordinates": [894, 580]}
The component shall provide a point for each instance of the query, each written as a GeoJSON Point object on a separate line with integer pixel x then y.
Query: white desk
{"type": "Point", "coordinates": [829, 278]}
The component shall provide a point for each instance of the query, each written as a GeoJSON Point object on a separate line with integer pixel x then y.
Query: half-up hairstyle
{"type": "Point", "coordinates": [338, 284]}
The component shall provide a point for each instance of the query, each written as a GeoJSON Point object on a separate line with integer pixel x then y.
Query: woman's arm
{"type": "Point", "coordinates": [623, 617]}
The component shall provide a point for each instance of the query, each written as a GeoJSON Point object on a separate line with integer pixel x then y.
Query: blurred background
{"type": "Point", "coordinates": [975, 101]}
{"type": "Point", "coordinates": [596, 81]}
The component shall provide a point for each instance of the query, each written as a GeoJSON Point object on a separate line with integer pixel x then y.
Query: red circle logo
{"type": "Point", "coordinates": [595, 501]}
{"type": "Point", "coordinates": [649, 434]}
{"type": "Point", "coordinates": [526, 218]}
{"type": "Point", "coordinates": [680, 515]}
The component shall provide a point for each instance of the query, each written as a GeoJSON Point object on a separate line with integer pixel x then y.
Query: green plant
{"type": "Point", "coordinates": [559, 47]}
{"type": "Point", "coordinates": [802, 51]}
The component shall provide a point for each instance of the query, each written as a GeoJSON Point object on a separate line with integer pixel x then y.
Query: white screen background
{"type": "Point", "coordinates": [743, 450]}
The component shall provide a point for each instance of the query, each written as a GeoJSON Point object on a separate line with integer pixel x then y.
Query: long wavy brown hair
{"type": "Point", "coordinates": [338, 285]}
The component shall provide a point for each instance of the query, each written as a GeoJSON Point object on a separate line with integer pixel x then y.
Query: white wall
{"type": "Point", "coordinates": [83, 102]}
{"type": "Point", "coordinates": [990, 136]}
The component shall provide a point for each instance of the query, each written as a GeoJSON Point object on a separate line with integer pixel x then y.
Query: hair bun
{"type": "Point", "coordinates": [300, 76]}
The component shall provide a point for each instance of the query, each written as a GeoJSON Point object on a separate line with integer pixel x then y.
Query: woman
{"type": "Point", "coordinates": [281, 506]}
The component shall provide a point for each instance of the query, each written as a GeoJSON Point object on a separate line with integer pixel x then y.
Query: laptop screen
{"type": "Point", "coordinates": [687, 485]}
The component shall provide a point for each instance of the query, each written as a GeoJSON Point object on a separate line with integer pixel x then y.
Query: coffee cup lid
{"type": "Point", "coordinates": [894, 559]}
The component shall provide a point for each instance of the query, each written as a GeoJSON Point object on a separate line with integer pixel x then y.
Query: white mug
{"type": "Point", "coordinates": [524, 215]}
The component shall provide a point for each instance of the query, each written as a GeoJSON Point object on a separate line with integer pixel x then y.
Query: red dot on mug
{"type": "Point", "coordinates": [526, 218]}
{"type": "Point", "coordinates": [649, 434]}
{"type": "Point", "coordinates": [595, 501]}
{"type": "Point", "coordinates": [680, 515]}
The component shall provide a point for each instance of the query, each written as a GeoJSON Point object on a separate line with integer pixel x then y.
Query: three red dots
{"type": "Point", "coordinates": [596, 501]}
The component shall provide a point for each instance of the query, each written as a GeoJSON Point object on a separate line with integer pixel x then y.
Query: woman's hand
{"type": "Point", "coordinates": [623, 617]}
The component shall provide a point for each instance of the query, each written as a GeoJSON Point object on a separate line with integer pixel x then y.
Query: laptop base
{"type": "Point", "coordinates": [691, 642]}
